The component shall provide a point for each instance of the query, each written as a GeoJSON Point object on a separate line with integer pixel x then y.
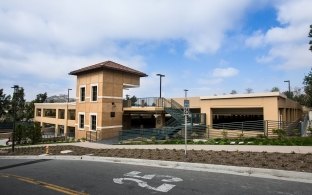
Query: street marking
{"type": "Point", "coordinates": [131, 176]}
{"type": "Point", "coordinates": [44, 184]}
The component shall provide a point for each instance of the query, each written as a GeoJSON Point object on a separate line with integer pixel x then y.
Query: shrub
{"type": "Point", "coordinates": [224, 134]}
{"type": "Point", "coordinates": [280, 133]}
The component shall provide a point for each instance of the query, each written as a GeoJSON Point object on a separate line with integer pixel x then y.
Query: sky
{"type": "Point", "coordinates": [207, 47]}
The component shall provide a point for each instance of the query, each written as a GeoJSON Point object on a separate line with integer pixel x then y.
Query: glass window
{"type": "Point", "coordinates": [61, 113]}
{"type": "Point", "coordinates": [82, 94]}
{"type": "Point", "coordinates": [81, 121]}
{"type": "Point", "coordinates": [72, 114]}
{"type": "Point", "coordinates": [38, 111]}
{"type": "Point", "coordinates": [94, 93]}
{"type": "Point", "coordinates": [93, 122]}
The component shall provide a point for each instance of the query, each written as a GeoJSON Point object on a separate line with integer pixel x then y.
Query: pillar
{"type": "Point", "coordinates": [160, 120]}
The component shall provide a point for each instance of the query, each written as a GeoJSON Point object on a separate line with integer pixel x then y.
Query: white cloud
{"type": "Point", "coordinates": [288, 43]}
{"type": "Point", "coordinates": [256, 40]}
{"type": "Point", "coordinates": [77, 24]}
{"type": "Point", "coordinates": [224, 72]}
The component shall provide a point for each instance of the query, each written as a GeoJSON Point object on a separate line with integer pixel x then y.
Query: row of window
{"type": "Point", "coordinates": [94, 93]}
{"type": "Point", "coordinates": [92, 121]}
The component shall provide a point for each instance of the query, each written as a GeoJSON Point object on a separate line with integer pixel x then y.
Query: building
{"type": "Point", "coordinates": [98, 106]}
{"type": "Point", "coordinates": [100, 111]}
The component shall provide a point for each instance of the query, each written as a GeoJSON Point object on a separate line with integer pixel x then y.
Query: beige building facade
{"type": "Point", "coordinates": [99, 98]}
{"type": "Point", "coordinates": [101, 113]}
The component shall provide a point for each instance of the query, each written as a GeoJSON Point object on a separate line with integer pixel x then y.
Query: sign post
{"type": "Point", "coordinates": [186, 113]}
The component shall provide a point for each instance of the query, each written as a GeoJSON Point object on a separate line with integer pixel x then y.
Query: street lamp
{"type": "Point", "coordinates": [185, 90]}
{"type": "Point", "coordinates": [16, 88]}
{"type": "Point", "coordinates": [67, 113]}
{"type": "Point", "coordinates": [68, 94]}
{"type": "Point", "coordinates": [288, 81]}
{"type": "Point", "coordinates": [160, 76]}
{"type": "Point", "coordinates": [186, 113]}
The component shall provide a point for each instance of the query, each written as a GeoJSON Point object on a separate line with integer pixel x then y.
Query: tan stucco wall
{"type": "Point", "coordinates": [271, 103]}
{"type": "Point", "coordinates": [110, 92]}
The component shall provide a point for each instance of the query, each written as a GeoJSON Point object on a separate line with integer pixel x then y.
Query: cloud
{"type": "Point", "coordinates": [287, 43]}
{"type": "Point", "coordinates": [79, 25]}
{"type": "Point", "coordinates": [224, 72]}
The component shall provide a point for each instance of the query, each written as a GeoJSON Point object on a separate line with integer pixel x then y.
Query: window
{"type": "Point", "coordinates": [38, 111]}
{"type": "Point", "coordinates": [94, 92]}
{"type": "Point", "coordinates": [93, 122]}
{"type": "Point", "coordinates": [112, 114]}
{"type": "Point", "coordinates": [61, 113]}
{"type": "Point", "coordinates": [72, 114]}
{"type": "Point", "coordinates": [82, 94]}
{"type": "Point", "coordinates": [81, 121]}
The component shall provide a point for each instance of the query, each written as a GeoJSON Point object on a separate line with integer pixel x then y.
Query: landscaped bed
{"type": "Point", "coordinates": [283, 161]}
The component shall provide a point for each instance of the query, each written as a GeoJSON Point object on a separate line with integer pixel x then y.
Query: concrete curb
{"type": "Point", "coordinates": [234, 170]}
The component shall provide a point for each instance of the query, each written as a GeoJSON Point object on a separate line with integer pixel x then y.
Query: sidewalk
{"type": "Point", "coordinates": [243, 148]}
{"type": "Point", "coordinates": [246, 148]}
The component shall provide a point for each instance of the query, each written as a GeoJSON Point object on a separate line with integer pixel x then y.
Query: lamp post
{"type": "Point", "coordinates": [185, 91]}
{"type": "Point", "coordinates": [160, 76]}
{"type": "Point", "coordinates": [186, 113]}
{"type": "Point", "coordinates": [16, 88]}
{"type": "Point", "coordinates": [68, 94]}
{"type": "Point", "coordinates": [67, 113]}
{"type": "Point", "coordinates": [288, 81]}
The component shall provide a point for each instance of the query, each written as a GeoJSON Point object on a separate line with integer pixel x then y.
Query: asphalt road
{"type": "Point", "coordinates": [85, 177]}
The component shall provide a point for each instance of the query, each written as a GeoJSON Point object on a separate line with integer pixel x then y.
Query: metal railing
{"type": "Point", "coordinates": [248, 128]}
{"type": "Point", "coordinates": [91, 136]}
{"type": "Point", "coordinates": [242, 126]}
{"type": "Point", "coordinates": [166, 133]}
{"type": "Point", "coordinates": [144, 102]}
{"type": "Point", "coordinates": [55, 138]}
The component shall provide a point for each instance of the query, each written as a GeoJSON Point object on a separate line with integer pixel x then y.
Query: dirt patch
{"type": "Point", "coordinates": [283, 161]}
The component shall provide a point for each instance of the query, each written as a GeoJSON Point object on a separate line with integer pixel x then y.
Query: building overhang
{"type": "Point", "coordinates": [250, 95]}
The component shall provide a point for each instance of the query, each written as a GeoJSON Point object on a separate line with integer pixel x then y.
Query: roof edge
{"type": "Point", "coordinates": [249, 95]}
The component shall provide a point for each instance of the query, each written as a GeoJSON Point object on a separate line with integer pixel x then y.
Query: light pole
{"type": "Point", "coordinates": [67, 113]}
{"type": "Point", "coordinates": [16, 88]}
{"type": "Point", "coordinates": [288, 81]}
{"type": "Point", "coordinates": [185, 91]}
{"type": "Point", "coordinates": [68, 94]}
{"type": "Point", "coordinates": [160, 76]}
{"type": "Point", "coordinates": [186, 112]}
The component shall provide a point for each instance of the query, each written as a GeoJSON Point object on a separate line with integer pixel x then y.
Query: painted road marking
{"type": "Point", "coordinates": [43, 184]}
{"type": "Point", "coordinates": [131, 176]}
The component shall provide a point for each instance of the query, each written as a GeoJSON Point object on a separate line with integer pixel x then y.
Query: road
{"type": "Point", "coordinates": [86, 177]}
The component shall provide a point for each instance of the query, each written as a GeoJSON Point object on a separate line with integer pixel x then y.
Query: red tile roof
{"type": "Point", "coordinates": [107, 65]}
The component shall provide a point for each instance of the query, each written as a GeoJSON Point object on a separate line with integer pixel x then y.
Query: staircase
{"type": "Point", "coordinates": [177, 113]}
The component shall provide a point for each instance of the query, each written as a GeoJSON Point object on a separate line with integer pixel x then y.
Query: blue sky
{"type": "Point", "coordinates": [207, 47]}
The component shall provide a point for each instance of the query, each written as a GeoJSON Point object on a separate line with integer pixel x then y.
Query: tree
{"type": "Point", "coordinates": [307, 81]}
{"type": "Point", "coordinates": [299, 96]}
{"type": "Point", "coordinates": [26, 131]}
{"type": "Point", "coordinates": [249, 90]}
{"type": "Point", "coordinates": [233, 92]}
{"type": "Point", "coordinates": [133, 100]}
{"type": "Point", "coordinates": [275, 89]}
{"type": "Point", "coordinates": [4, 104]}
{"type": "Point", "coordinates": [19, 103]}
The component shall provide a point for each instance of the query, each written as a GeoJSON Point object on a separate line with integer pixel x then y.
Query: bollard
{"type": "Point", "coordinates": [47, 149]}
